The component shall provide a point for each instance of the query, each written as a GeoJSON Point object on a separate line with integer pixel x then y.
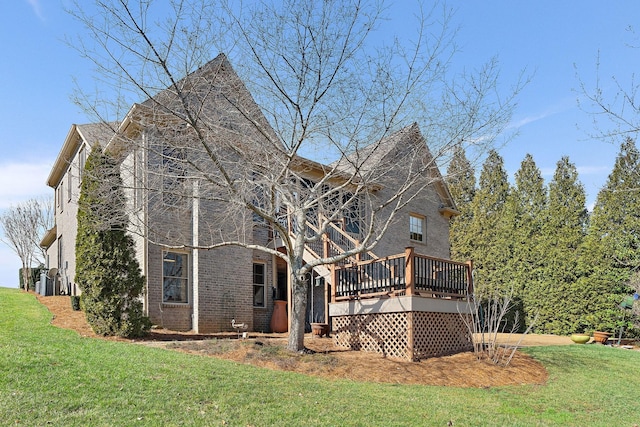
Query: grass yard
{"type": "Point", "coordinates": [52, 376]}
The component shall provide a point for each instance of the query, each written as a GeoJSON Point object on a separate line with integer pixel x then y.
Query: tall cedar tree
{"type": "Point", "coordinates": [563, 231]}
{"type": "Point", "coordinates": [612, 245]}
{"type": "Point", "coordinates": [490, 244]}
{"type": "Point", "coordinates": [461, 181]}
{"type": "Point", "coordinates": [106, 269]}
{"type": "Point", "coordinates": [527, 209]}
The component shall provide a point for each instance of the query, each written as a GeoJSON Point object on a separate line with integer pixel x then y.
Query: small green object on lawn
{"type": "Point", "coordinates": [580, 338]}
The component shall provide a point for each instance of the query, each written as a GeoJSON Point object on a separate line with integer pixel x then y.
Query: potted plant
{"type": "Point", "coordinates": [580, 338]}
{"type": "Point", "coordinates": [318, 328]}
{"type": "Point", "coordinates": [601, 337]}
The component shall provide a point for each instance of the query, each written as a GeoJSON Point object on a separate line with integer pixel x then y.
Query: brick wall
{"type": "Point", "coordinates": [225, 289]}
{"type": "Point", "coordinates": [437, 227]}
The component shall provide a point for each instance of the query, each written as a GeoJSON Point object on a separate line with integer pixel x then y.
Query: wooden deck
{"type": "Point", "coordinates": [409, 274]}
{"type": "Point", "coordinates": [409, 306]}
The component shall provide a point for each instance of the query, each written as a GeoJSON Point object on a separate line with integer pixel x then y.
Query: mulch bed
{"type": "Point", "coordinates": [325, 359]}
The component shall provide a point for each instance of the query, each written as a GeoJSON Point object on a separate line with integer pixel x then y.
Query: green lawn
{"type": "Point", "coordinates": [50, 376]}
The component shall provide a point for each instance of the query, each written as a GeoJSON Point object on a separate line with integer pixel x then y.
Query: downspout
{"type": "Point", "coordinates": [145, 219]}
{"type": "Point", "coordinates": [195, 271]}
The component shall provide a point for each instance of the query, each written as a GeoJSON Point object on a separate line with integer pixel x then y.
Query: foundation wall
{"type": "Point", "coordinates": [407, 335]}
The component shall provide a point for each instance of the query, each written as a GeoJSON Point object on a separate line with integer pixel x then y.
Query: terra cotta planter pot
{"type": "Point", "coordinates": [320, 329]}
{"type": "Point", "coordinates": [601, 337]}
{"type": "Point", "coordinates": [279, 321]}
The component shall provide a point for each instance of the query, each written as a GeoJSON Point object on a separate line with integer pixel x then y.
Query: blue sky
{"type": "Point", "coordinates": [547, 38]}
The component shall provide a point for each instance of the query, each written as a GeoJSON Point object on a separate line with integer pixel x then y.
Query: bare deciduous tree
{"type": "Point", "coordinates": [324, 82]}
{"type": "Point", "coordinates": [23, 227]}
{"type": "Point", "coordinates": [494, 336]}
{"type": "Point", "coordinates": [612, 101]}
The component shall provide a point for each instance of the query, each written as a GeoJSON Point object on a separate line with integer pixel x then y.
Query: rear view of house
{"type": "Point", "coordinates": [209, 189]}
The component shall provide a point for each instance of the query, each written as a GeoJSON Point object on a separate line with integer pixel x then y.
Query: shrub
{"type": "Point", "coordinates": [75, 302]}
{"type": "Point", "coordinates": [107, 271]}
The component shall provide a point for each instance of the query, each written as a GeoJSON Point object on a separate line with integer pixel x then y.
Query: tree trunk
{"type": "Point", "coordinates": [298, 312]}
{"type": "Point", "coordinates": [25, 277]}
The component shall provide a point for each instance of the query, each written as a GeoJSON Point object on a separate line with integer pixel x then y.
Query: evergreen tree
{"type": "Point", "coordinates": [490, 243]}
{"type": "Point", "coordinates": [461, 181]}
{"type": "Point", "coordinates": [611, 249]}
{"type": "Point", "coordinates": [562, 234]}
{"type": "Point", "coordinates": [524, 218]}
{"type": "Point", "coordinates": [106, 269]}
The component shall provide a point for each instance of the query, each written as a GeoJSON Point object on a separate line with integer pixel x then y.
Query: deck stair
{"type": "Point", "coordinates": [334, 241]}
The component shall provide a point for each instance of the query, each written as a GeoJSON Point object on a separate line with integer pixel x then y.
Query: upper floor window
{"type": "Point", "coordinates": [417, 228]}
{"type": "Point", "coordinates": [69, 191]}
{"type": "Point", "coordinates": [352, 214]}
{"type": "Point", "coordinates": [173, 174]}
{"type": "Point", "coordinates": [60, 195]}
{"type": "Point", "coordinates": [137, 181]}
{"type": "Point", "coordinates": [60, 252]}
{"type": "Point", "coordinates": [175, 277]}
{"type": "Point", "coordinates": [82, 161]}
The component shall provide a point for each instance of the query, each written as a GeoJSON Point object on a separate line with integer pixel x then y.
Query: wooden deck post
{"type": "Point", "coordinates": [334, 285]}
{"type": "Point", "coordinates": [325, 245]}
{"type": "Point", "coordinates": [411, 354]}
{"type": "Point", "coordinates": [469, 277]}
{"type": "Point", "coordinates": [289, 298]}
{"type": "Point", "coordinates": [408, 270]}
{"type": "Point", "coordinates": [326, 301]}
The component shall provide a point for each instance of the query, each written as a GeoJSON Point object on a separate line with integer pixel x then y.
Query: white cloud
{"type": "Point", "coordinates": [19, 181]}
{"type": "Point", "coordinates": [529, 119]}
{"type": "Point", "coordinates": [9, 267]}
{"type": "Point", "coordinates": [547, 171]}
{"type": "Point", "coordinates": [593, 170]}
{"type": "Point", "coordinates": [560, 106]}
{"type": "Point", "coordinates": [582, 170]}
{"type": "Point", "coordinates": [37, 9]}
{"type": "Point", "coordinates": [23, 181]}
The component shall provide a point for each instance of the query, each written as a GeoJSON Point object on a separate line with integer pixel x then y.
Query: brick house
{"type": "Point", "coordinates": [203, 290]}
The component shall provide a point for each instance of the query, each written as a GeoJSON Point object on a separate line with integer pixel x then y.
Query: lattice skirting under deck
{"type": "Point", "coordinates": [408, 335]}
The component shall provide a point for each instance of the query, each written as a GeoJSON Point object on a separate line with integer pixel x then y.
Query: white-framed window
{"type": "Point", "coordinates": [60, 252]}
{"type": "Point", "coordinates": [352, 214]}
{"type": "Point", "coordinates": [173, 174]}
{"type": "Point", "coordinates": [175, 277]}
{"type": "Point", "coordinates": [61, 195]}
{"type": "Point", "coordinates": [137, 180]}
{"type": "Point", "coordinates": [69, 192]}
{"type": "Point", "coordinates": [259, 282]}
{"type": "Point", "coordinates": [82, 161]}
{"type": "Point", "coordinates": [417, 228]}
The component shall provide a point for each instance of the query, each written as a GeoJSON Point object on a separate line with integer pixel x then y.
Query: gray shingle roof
{"type": "Point", "coordinates": [99, 133]}
{"type": "Point", "coordinates": [369, 157]}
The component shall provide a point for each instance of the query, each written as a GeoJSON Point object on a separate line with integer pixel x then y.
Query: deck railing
{"type": "Point", "coordinates": [340, 242]}
{"type": "Point", "coordinates": [404, 274]}
{"type": "Point", "coordinates": [335, 241]}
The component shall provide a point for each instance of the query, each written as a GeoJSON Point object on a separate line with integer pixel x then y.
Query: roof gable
{"type": "Point", "coordinates": [368, 159]}
{"type": "Point", "coordinates": [213, 95]}
{"type": "Point", "coordinates": [89, 134]}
